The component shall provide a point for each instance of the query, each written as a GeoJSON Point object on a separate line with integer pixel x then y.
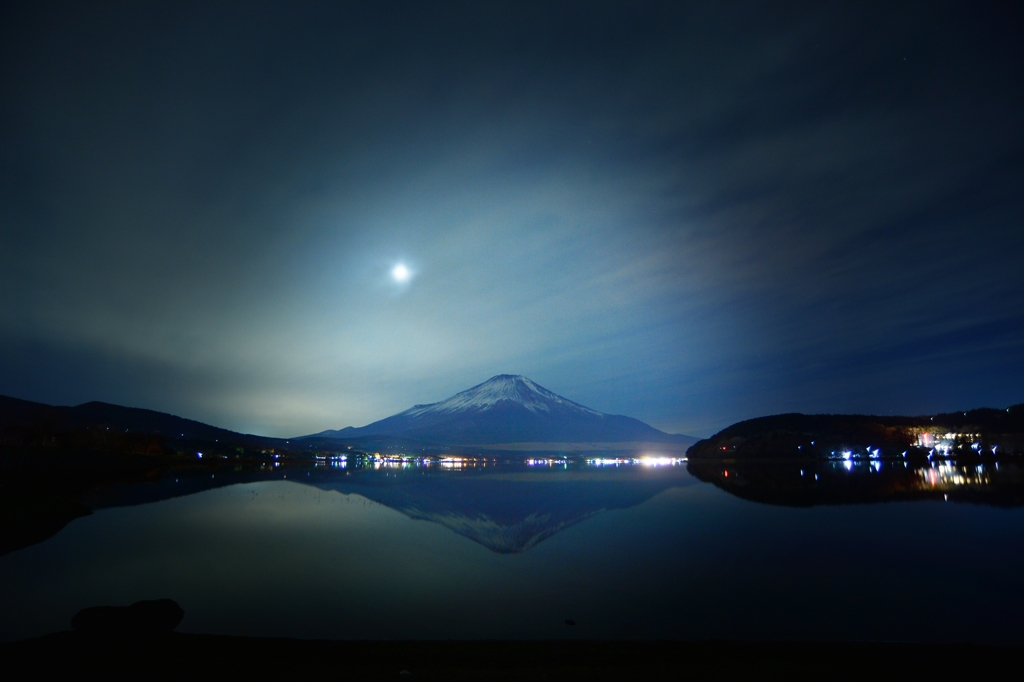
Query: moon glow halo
{"type": "Point", "coordinates": [401, 273]}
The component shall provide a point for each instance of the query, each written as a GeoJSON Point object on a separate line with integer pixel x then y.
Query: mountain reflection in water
{"type": "Point", "coordinates": [512, 551]}
{"type": "Point", "coordinates": [505, 511]}
{"type": "Point", "coordinates": [507, 507]}
{"type": "Point", "coordinates": [989, 481]}
{"type": "Point", "coordinates": [511, 506]}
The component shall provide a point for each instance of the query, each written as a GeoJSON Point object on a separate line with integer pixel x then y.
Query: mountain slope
{"type": "Point", "coordinates": [821, 435]}
{"type": "Point", "coordinates": [508, 409]}
{"type": "Point", "coordinates": [25, 414]}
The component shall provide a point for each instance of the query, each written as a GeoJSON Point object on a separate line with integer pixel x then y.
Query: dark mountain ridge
{"type": "Point", "coordinates": [821, 435]}
{"type": "Point", "coordinates": [23, 421]}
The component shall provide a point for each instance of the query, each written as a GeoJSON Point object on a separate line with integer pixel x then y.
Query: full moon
{"type": "Point", "coordinates": [401, 273]}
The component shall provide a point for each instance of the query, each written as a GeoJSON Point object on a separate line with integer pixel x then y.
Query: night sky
{"type": "Point", "coordinates": [690, 214]}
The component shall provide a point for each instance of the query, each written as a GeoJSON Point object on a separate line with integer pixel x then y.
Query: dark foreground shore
{"type": "Point", "coordinates": [185, 656]}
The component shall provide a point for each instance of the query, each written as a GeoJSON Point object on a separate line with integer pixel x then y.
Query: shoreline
{"type": "Point", "coordinates": [180, 655]}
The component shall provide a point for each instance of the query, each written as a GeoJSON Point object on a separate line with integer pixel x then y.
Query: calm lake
{"type": "Point", "coordinates": [514, 551]}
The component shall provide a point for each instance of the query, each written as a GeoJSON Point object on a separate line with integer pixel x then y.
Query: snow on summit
{"type": "Point", "coordinates": [504, 387]}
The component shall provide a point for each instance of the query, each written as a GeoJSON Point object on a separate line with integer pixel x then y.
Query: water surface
{"type": "Point", "coordinates": [515, 551]}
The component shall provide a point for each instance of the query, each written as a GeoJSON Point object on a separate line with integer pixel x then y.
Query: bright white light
{"type": "Point", "coordinates": [656, 461]}
{"type": "Point", "coordinates": [401, 273]}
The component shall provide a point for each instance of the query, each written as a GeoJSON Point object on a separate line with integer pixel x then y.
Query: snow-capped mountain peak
{"type": "Point", "coordinates": [507, 409]}
{"type": "Point", "coordinates": [510, 388]}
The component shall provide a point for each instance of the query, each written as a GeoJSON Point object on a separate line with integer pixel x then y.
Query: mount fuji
{"type": "Point", "coordinates": [508, 408]}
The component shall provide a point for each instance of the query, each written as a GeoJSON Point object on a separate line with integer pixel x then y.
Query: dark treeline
{"type": "Point", "coordinates": [824, 435]}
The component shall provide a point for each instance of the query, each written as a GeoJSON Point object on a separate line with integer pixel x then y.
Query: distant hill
{"type": "Point", "coordinates": [27, 417]}
{"type": "Point", "coordinates": [983, 430]}
{"type": "Point", "coordinates": [508, 409]}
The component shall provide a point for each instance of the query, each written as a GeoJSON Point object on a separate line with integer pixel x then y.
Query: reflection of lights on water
{"type": "Point", "coordinates": [945, 475]}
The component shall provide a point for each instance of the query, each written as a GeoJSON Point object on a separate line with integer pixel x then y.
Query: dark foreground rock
{"type": "Point", "coordinates": [183, 656]}
{"type": "Point", "coordinates": [152, 617]}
